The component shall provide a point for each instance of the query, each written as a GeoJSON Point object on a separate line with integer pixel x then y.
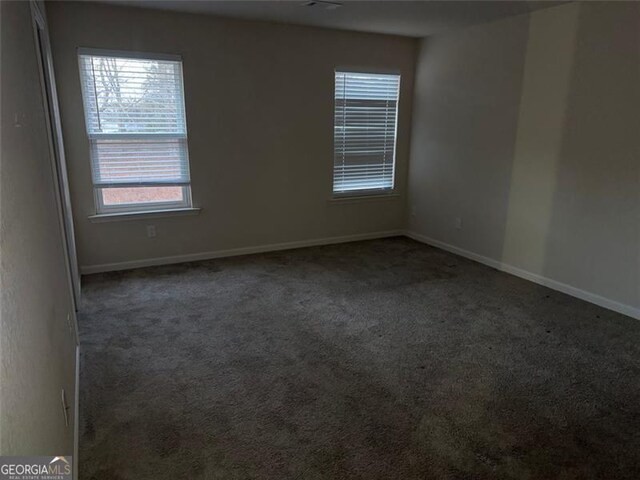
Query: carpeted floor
{"type": "Point", "coordinates": [384, 359]}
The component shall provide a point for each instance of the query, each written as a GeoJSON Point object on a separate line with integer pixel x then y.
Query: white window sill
{"type": "Point", "coordinates": [363, 197]}
{"type": "Point", "coordinates": [123, 216]}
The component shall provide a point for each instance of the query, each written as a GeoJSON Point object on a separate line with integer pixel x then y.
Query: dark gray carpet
{"type": "Point", "coordinates": [385, 359]}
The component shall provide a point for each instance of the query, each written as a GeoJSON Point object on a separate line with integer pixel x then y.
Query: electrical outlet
{"type": "Point", "coordinates": [458, 223]}
{"type": "Point", "coordinates": [18, 120]}
{"type": "Point", "coordinates": [151, 231]}
{"type": "Point", "coordinates": [414, 211]}
{"type": "Point", "coordinates": [69, 323]}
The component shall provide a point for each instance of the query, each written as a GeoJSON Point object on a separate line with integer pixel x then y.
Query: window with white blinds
{"type": "Point", "coordinates": [135, 118]}
{"type": "Point", "coordinates": [365, 124]}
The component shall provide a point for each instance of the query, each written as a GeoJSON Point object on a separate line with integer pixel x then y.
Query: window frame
{"type": "Point", "coordinates": [139, 207]}
{"type": "Point", "coordinates": [369, 192]}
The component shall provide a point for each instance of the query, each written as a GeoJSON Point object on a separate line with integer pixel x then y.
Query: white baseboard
{"type": "Point", "coordinates": [532, 277]}
{"type": "Point", "coordinates": [192, 257]}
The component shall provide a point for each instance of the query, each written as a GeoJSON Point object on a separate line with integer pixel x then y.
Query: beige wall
{"type": "Point", "coordinates": [259, 103]}
{"type": "Point", "coordinates": [527, 129]}
{"type": "Point", "coordinates": [37, 349]}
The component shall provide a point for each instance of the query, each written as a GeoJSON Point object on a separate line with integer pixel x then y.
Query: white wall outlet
{"type": "Point", "coordinates": [151, 231]}
{"type": "Point", "coordinates": [414, 211]}
{"type": "Point", "coordinates": [69, 323]}
{"type": "Point", "coordinates": [18, 120]}
{"type": "Point", "coordinates": [458, 223]}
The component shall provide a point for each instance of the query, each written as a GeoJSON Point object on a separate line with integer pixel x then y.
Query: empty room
{"type": "Point", "coordinates": [331, 239]}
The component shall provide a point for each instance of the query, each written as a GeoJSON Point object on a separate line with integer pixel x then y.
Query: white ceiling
{"type": "Point", "coordinates": [410, 18]}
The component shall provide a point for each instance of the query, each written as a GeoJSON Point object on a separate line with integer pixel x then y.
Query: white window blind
{"type": "Point", "coordinates": [134, 109]}
{"type": "Point", "coordinates": [366, 110]}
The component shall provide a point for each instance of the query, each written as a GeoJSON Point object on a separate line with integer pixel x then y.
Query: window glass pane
{"type": "Point", "coordinates": [134, 195]}
{"type": "Point", "coordinates": [365, 120]}
{"type": "Point", "coordinates": [131, 95]}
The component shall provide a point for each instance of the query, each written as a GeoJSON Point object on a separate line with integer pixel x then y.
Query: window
{"type": "Point", "coordinates": [365, 121]}
{"type": "Point", "coordinates": [134, 112]}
